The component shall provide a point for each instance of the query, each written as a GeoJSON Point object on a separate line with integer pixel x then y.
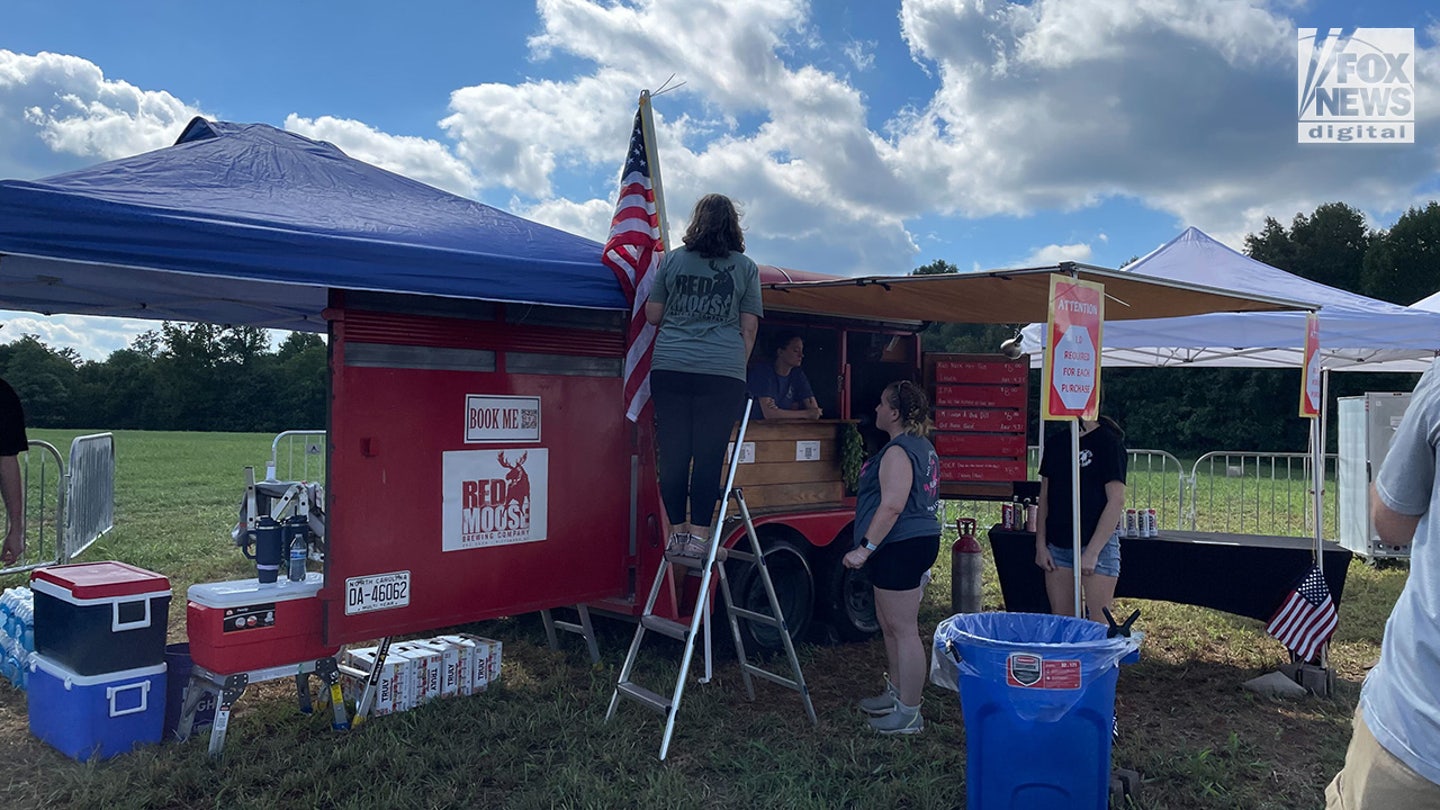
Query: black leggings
{"type": "Point", "coordinates": [694, 414]}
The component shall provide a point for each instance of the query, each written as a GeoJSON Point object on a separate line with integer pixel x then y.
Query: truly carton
{"type": "Point", "coordinates": [487, 653]}
{"type": "Point", "coordinates": [428, 661]}
{"type": "Point", "coordinates": [412, 675]}
{"type": "Point", "coordinates": [468, 663]}
{"type": "Point", "coordinates": [386, 687]}
{"type": "Point", "coordinates": [449, 685]}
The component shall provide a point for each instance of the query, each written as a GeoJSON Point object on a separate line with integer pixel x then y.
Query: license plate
{"type": "Point", "coordinates": [377, 592]}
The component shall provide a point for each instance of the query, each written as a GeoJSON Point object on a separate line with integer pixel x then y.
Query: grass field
{"type": "Point", "coordinates": [539, 740]}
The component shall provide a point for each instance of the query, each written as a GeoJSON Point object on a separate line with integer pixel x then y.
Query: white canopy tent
{"type": "Point", "coordinates": [1356, 333]}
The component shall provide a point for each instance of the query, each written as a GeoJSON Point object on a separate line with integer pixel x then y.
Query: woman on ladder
{"type": "Point", "coordinates": [706, 303]}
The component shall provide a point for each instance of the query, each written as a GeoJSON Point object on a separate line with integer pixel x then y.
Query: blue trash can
{"type": "Point", "coordinates": [1038, 692]}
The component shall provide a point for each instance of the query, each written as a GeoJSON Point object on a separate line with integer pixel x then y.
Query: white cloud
{"type": "Point", "coordinates": [860, 54]}
{"type": "Point", "coordinates": [58, 112]}
{"type": "Point", "coordinates": [1187, 107]}
{"type": "Point", "coordinates": [91, 337]}
{"type": "Point", "coordinates": [420, 159]}
{"type": "Point", "coordinates": [1054, 254]}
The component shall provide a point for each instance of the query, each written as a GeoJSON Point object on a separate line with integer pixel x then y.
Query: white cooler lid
{"type": "Point", "coordinates": [71, 678]}
{"type": "Point", "coordinates": [241, 592]}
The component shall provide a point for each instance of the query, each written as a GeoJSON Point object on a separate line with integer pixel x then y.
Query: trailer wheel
{"type": "Point", "coordinates": [848, 598]}
{"type": "Point", "coordinates": [794, 587]}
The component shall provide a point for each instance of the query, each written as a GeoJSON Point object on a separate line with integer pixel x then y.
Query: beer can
{"type": "Point", "coordinates": [1152, 529]}
{"type": "Point", "coordinates": [1132, 523]}
{"type": "Point", "coordinates": [1007, 516]}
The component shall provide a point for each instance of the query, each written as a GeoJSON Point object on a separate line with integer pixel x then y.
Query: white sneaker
{"type": "Point", "coordinates": [900, 721]}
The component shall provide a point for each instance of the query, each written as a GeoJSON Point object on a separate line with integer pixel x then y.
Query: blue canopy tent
{"type": "Point", "coordinates": [246, 224]}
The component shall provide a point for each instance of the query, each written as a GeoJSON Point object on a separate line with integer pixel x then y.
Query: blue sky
{"type": "Point", "coordinates": [859, 137]}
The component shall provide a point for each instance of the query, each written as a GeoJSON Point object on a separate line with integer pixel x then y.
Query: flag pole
{"type": "Point", "coordinates": [647, 123]}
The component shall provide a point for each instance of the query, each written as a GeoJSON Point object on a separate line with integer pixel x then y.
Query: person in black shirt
{"type": "Point", "coordinates": [12, 488]}
{"type": "Point", "coordinates": [1102, 460]}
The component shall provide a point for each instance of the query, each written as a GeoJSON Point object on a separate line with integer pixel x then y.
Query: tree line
{"type": "Point", "coordinates": [179, 377]}
{"type": "Point", "coordinates": [1189, 411]}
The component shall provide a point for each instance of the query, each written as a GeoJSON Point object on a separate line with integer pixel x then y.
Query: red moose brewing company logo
{"type": "Point", "coordinates": [494, 498]}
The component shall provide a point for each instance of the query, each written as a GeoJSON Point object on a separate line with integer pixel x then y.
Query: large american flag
{"type": "Point", "coordinates": [632, 253]}
{"type": "Point", "coordinates": [1307, 619]}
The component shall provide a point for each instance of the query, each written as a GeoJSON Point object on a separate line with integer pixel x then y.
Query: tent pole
{"type": "Point", "coordinates": [1075, 509]}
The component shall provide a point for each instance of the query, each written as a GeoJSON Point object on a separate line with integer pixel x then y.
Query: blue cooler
{"type": "Point", "coordinates": [1038, 693]}
{"type": "Point", "coordinates": [85, 716]}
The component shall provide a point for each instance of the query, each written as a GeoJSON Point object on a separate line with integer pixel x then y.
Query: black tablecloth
{"type": "Point", "coordinates": [1248, 575]}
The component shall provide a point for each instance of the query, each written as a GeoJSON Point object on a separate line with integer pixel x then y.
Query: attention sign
{"type": "Point", "coordinates": [1072, 349]}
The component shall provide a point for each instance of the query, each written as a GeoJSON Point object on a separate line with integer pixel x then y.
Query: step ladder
{"type": "Point", "coordinates": [709, 568]}
{"type": "Point", "coordinates": [583, 628]}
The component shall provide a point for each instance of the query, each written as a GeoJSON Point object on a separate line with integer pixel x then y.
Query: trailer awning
{"type": "Point", "coordinates": [1007, 296]}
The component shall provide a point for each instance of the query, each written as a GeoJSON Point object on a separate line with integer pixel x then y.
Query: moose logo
{"type": "Point", "coordinates": [517, 488]}
{"type": "Point", "coordinates": [494, 498]}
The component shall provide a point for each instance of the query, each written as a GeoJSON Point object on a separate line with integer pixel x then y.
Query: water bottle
{"type": "Point", "coordinates": [27, 628]}
{"type": "Point", "coordinates": [298, 551]}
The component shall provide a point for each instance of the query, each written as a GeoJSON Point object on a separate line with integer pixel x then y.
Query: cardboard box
{"type": "Point", "coordinates": [388, 686]}
{"type": "Point", "coordinates": [487, 652]}
{"type": "Point", "coordinates": [426, 675]}
{"type": "Point", "coordinates": [469, 662]}
{"type": "Point", "coordinates": [449, 685]}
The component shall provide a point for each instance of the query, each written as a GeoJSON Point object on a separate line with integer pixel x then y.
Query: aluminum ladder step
{"type": "Point", "coordinates": [643, 696]}
{"type": "Point", "coordinates": [665, 627]}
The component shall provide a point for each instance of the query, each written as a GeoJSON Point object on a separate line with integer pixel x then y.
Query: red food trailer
{"type": "Point", "coordinates": [481, 464]}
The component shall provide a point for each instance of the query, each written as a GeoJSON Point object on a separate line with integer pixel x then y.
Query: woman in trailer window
{"type": "Point", "coordinates": [780, 388]}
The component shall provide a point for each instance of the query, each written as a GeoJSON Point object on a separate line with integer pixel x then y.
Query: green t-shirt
{"type": "Point", "coordinates": [703, 298]}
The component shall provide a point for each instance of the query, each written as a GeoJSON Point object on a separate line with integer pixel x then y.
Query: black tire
{"type": "Point", "coordinates": [847, 597]}
{"type": "Point", "coordinates": [794, 587]}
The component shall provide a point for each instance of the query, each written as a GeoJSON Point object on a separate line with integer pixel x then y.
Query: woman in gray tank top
{"type": "Point", "coordinates": [897, 538]}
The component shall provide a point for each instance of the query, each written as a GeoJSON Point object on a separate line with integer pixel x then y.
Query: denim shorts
{"type": "Point", "coordinates": [1108, 564]}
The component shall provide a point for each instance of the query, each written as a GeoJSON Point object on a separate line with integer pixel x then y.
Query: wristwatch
{"type": "Point", "coordinates": [871, 547]}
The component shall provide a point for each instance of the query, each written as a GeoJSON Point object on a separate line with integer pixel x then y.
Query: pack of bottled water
{"type": "Point", "coordinates": [17, 635]}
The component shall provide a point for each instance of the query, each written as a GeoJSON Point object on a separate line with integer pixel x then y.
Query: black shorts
{"type": "Point", "coordinates": [899, 565]}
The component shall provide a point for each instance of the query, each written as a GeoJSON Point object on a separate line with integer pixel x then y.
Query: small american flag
{"type": "Point", "coordinates": [632, 253]}
{"type": "Point", "coordinates": [1307, 618]}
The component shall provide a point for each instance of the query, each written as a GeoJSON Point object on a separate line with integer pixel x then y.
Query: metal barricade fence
{"type": "Point", "coordinates": [43, 475]}
{"type": "Point", "coordinates": [90, 493]}
{"type": "Point", "coordinates": [302, 453]}
{"type": "Point", "coordinates": [66, 510]}
{"type": "Point", "coordinates": [1224, 491]}
{"type": "Point", "coordinates": [1260, 493]}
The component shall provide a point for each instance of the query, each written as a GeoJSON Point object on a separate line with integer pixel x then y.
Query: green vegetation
{"type": "Point", "coordinates": [539, 740]}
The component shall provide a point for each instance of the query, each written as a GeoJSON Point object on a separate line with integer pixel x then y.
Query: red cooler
{"type": "Point", "coordinates": [100, 617]}
{"type": "Point", "coordinates": [242, 626]}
